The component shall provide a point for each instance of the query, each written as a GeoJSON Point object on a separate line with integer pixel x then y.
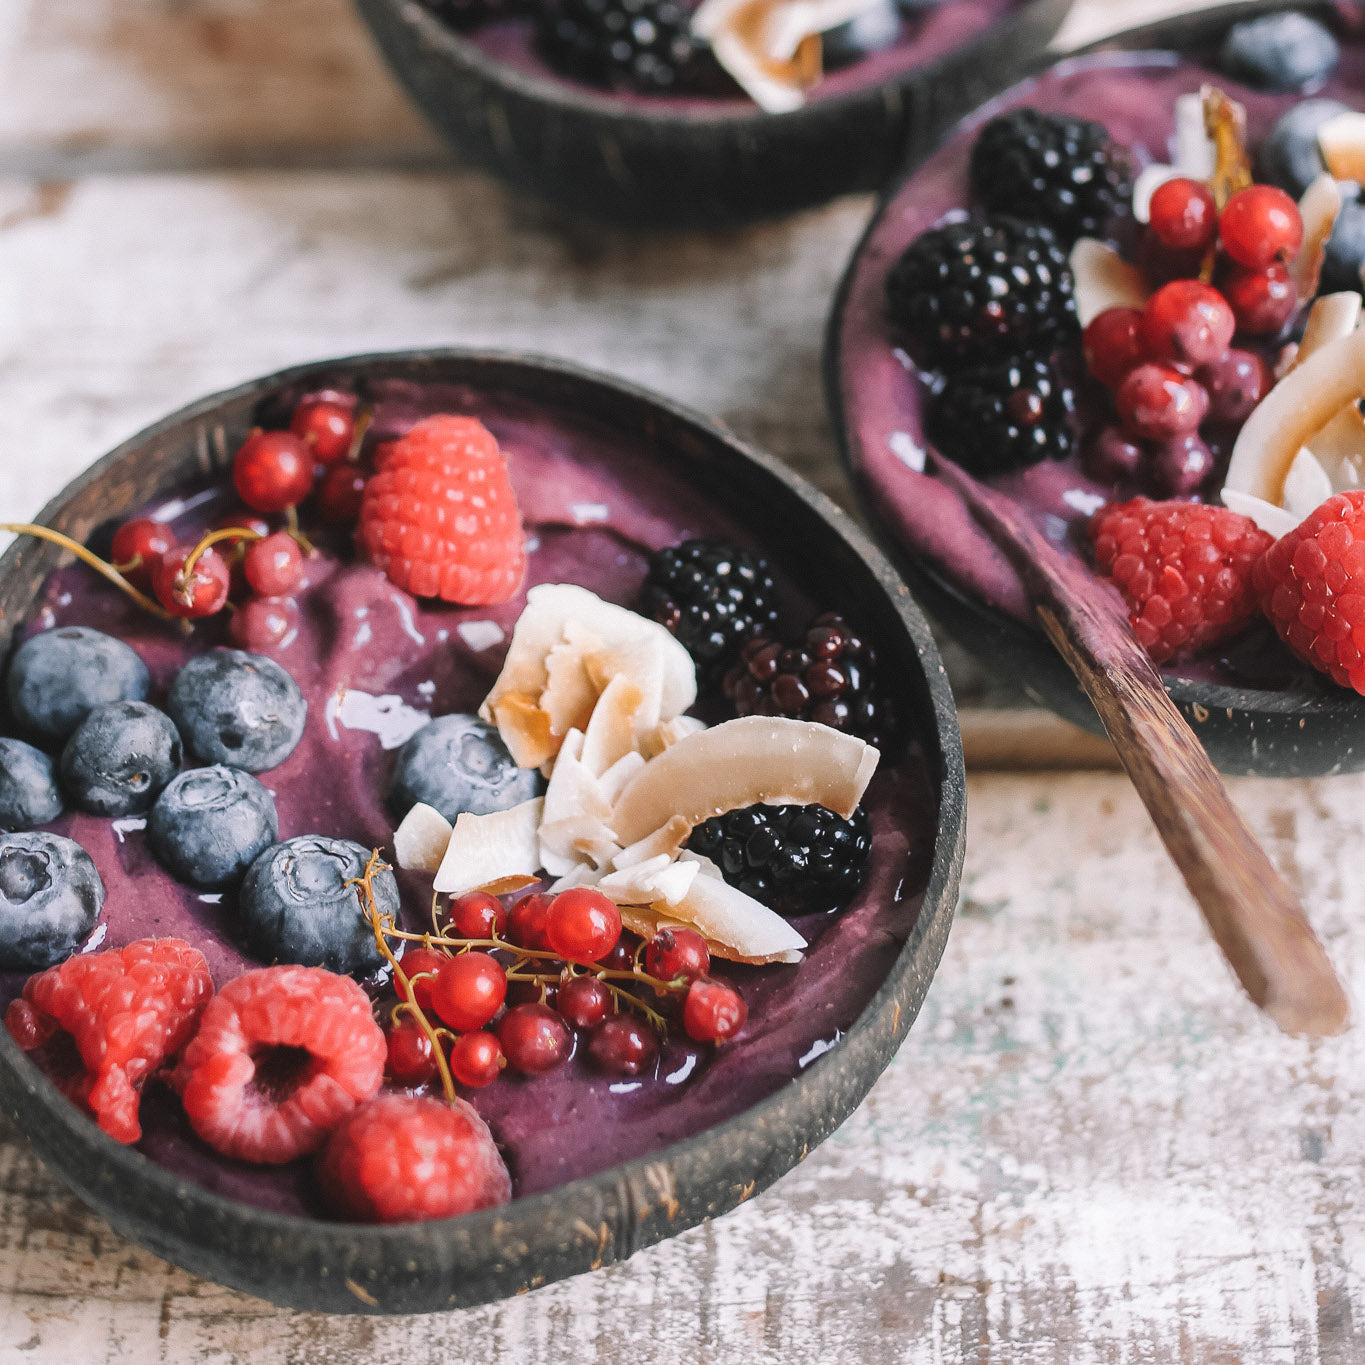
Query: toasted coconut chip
{"type": "Point", "coordinates": [669, 733]}
{"type": "Point", "coordinates": [1306, 486]}
{"type": "Point", "coordinates": [1292, 414]}
{"type": "Point", "coordinates": [1319, 208]}
{"type": "Point", "coordinates": [613, 781]}
{"type": "Point", "coordinates": [524, 728]}
{"type": "Point", "coordinates": [1331, 317]}
{"type": "Point", "coordinates": [744, 762]}
{"type": "Point", "coordinates": [570, 693]}
{"type": "Point", "coordinates": [1340, 447]}
{"type": "Point", "coordinates": [582, 874]}
{"type": "Point", "coordinates": [739, 34]}
{"type": "Point", "coordinates": [1196, 155]}
{"type": "Point", "coordinates": [1341, 140]}
{"type": "Point", "coordinates": [498, 850]}
{"type": "Point", "coordinates": [1104, 280]}
{"type": "Point", "coordinates": [598, 846]}
{"type": "Point", "coordinates": [667, 840]}
{"type": "Point", "coordinates": [651, 882]}
{"type": "Point", "coordinates": [1271, 518]}
{"type": "Point", "coordinates": [573, 789]}
{"type": "Point", "coordinates": [645, 664]}
{"type": "Point", "coordinates": [610, 735]}
{"type": "Point", "coordinates": [420, 841]}
{"type": "Point", "coordinates": [647, 920]}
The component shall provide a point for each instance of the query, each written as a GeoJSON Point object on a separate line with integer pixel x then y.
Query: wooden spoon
{"type": "Point", "coordinates": [1254, 916]}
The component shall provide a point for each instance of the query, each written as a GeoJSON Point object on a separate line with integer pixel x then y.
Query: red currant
{"type": "Point", "coordinates": [1110, 457]}
{"type": "Point", "coordinates": [535, 1038]}
{"type": "Point", "coordinates": [622, 957]}
{"type": "Point", "coordinates": [1157, 403]}
{"type": "Point", "coordinates": [273, 471]}
{"type": "Point", "coordinates": [675, 953]}
{"type": "Point", "coordinates": [412, 1062]}
{"type": "Point", "coordinates": [242, 520]}
{"type": "Point", "coordinates": [1181, 466]}
{"type": "Point", "coordinates": [584, 1001]}
{"type": "Point", "coordinates": [713, 1012]}
{"type": "Point", "coordinates": [1187, 323]}
{"type": "Point", "coordinates": [1113, 344]}
{"type": "Point", "coordinates": [583, 925]}
{"type": "Point", "coordinates": [526, 921]}
{"type": "Point", "coordinates": [477, 915]}
{"type": "Point", "coordinates": [1260, 225]}
{"type": "Point", "coordinates": [1235, 384]}
{"type": "Point", "coordinates": [1183, 215]}
{"type": "Point", "coordinates": [476, 1059]}
{"type": "Point", "coordinates": [422, 963]}
{"type": "Point", "coordinates": [274, 565]}
{"type": "Point", "coordinates": [341, 491]}
{"type": "Point", "coordinates": [325, 422]}
{"type": "Point", "coordinates": [201, 592]}
{"type": "Point", "coordinates": [1262, 300]}
{"type": "Point", "coordinates": [623, 1046]}
{"type": "Point", "coordinates": [469, 990]}
{"type": "Point", "coordinates": [138, 547]}
{"type": "Point", "coordinates": [1160, 265]}
{"type": "Point", "coordinates": [533, 993]}
{"type": "Point", "coordinates": [265, 623]}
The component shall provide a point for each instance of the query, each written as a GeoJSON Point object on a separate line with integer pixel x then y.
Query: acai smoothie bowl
{"type": "Point", "coordinates": [1127, 294]}
{"type": "Point", "coordinates": [461, 821]}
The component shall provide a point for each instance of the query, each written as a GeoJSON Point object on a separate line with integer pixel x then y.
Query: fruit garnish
{"type": "Point", "coordinates": [137, 549]}
{"type": "Point", "coordinates": [273, 471]}
{"type": "Point", "coordinates": [1195, 155]}
{"type": "Point", "coordinates": [644, 45]}
{"type": "Point", "coordinates": [50, 899]}
{"type": "Point", "coordinates": [210, 825]}
{"type": "Point", "coordinates": [713, 1012]}
{"type": "Point", "coordinates": [326, 423]}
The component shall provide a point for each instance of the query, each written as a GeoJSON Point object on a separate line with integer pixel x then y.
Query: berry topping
{"type": "Point", "coordinates": [583, 925]}
{"type": "Point", "coordinates": [712, 595]}
{"type": "Point", "coordinates": [996, 418]}
{"type": "Point", "coordinates": [1183, 569]}
{"type": "Point", "coordinates": [1235, 385]}
{"type": "Point", "coordinates": [1158, 403]}
{"type": "Point", "coordinates": [411, 1059]}
{"type": "Point", "coordinates": [1111, 457]}
{"type": "Point", "coordinates": [468, 991]}
{"type": "Point", "coordinates": [1290, 156]}
{"type": "Point", "coordinates": [1281, 52]}
{"type": "Point", "coordinates": [1048, 168]}
{"type": "Point", "coordinates": [210, 824]}
{"type": "Point", "coordinates": [584, 1001]}
{"type": "Point", "coordinates": [237, 708]}
{"type": "Point", "coordinates": [476, 1059]}
{"type": "Point", "coordinates": [1259, 226]}
{"type": "Point", "coordinates": [119, 758]}
{"type": "Point", "coordinates": [642, 45]}
{"type": "Point", "coordinates": [273, 471]}
{"type": "Point", "coordinates": [677, 954]}
{"type": "Point", "coordinates": [457, 764]}
{"type": "Point", "coordinates": [58, 677]}
{"type": "Point", "coordinates": [50, 898]}
{"type": "Point", "coordinates": [1261, 300]}
{"type": "Point", "coordinates": [1113, 345]}
{"type": "Point", "coordinates": [1181, 466]}
{"type": "Point", "coordinates": [527, 919]}
{"type": "Point", "coordinates": [712, 1011]}
{"type": "Point", "coordinates": [981, 290]}
{"type": "Point", "coordinates": [341, 492]}
{"type": "Point", "coordinates": [273, 565]}
{"type": "Point", "coordinates": [282, 1055]}
{"type": "Point", "coordinates": [477, 915]}
{"type": "Point", "coordinates": [125, 1012]}
{"type": "Point", "coordinates": [325, 423]}
{"type": "Point", "coordinates": [265, 623]}
{"type": "Point", "coordinates": [440, 517]}
{"type": "Point", "coordinates": [404, 1158]}
{"type": "Point", "coordinates": [623, 1046]}
{"type": "Point", "coordinates": [797, 860]}
{"type": "Point", "coordinates": [420, 966]}
{"type": "Point", "coordinates": [1345, 257]}
{"type": "Point", "coordinates": [534, 1038]}
{"type": "Point", "coordinates": [1311, 584]}
{"type": "Point", "coordinates": [190, 589]}
{"type": "Point", "coordinates": [137, 549]}
{"type": "Point", "coordinates": [299, 903]}
{"type": "Point", "coordinates": [1187, 323]}
{"type": "Point", "coordinates": [28, 787]}
{"type": "Point", "coordinates": [1183, 215]}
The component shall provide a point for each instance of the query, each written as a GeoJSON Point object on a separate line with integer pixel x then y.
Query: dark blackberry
{"type": "Point", "coordinates": [644, 45]}
{"type": "Point", "coordinates": [1065, 172]}
{"type": "Point", "coordinates": [796, 860]}
{"type": "Point", "coordinates": [713, 596]}
{"type": "Point", "coordinates": [828, 678]}
{"type": "Point", "coordinates": [980, 290]}
{"type": "Point", "coordinates": [1001, 417]}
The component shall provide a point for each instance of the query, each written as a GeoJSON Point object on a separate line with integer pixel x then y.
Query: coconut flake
{"type": "Point", "coordinates": [1341, 140]}
{"type": "Point", "coordinates": [1270, 518]}
{"type": "Point", "coordinates": [610, 735]}
{"type": "Point", "coordinates": [655, 880]}
{"type": "Point", "coordinates": [496, 853]}
{"type": "Point", "coordinates": [613, 781]}
{"type": "Point", "coordinates": [421, 840]}
{"type": "Point", "coordinates": [1340, 447]}
{"type": "Point", "coordinates": [1306, 486]}
{"type": "Point", "coordinates": [668, 839]}
{"type": "Point", "coordinates": [1103, 280]}
{"type": "Point", "coordinates": [1331, 317]}
{"type": "Point", "coordinates": [1319, 208]}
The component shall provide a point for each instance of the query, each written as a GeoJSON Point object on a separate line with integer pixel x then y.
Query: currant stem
{"type": "Point", "coordinates": [237, 534]}
{"type": "Point", "coordinates": [25, 528]}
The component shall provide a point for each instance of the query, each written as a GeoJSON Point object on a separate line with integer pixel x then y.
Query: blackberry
{"type": "Point", "coordinates": [796, 860]}
{"type": "Point", "coordinates": [1065, 172]}
{"type": "Point", "coordinates": [979, 290]}
{"type": "Point", "coordinates": [644, 45]}
{"type": "Point", "coordinates": [1001, 417]}
{"type": "Point", "coordinates": [713, 596]}
{"type": "Point", "coordinates": [828, 678]}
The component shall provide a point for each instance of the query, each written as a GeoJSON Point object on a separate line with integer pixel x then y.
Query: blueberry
{"type": "Point", "coordinates": [456, 764]}
{"type": "Point", "coordinates": [295, 905]}
{"type": "Point", "coordinates": [120, 757]}
{"type": "Point", "coordinates": [870, 30]}
{"type": "Point", "coordinates": [1289, 156]}
{"type": "Point", "coordinates": [210, 824]}
{"type": "Point", "coordinates": [237, 708]}
{"type": "Point", "coordinates": [28, 786]}
{"type": "Point", "coordinates": [1345, 252]}
{"type": "Point", "coordinates": [1282, 52]}
{"type": "Point", "coordinates": [50, 898]}
{"type": "Point", "coordinates": [57, 678]}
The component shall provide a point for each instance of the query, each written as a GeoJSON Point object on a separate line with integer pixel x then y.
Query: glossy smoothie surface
{"type": "Point", "coordinates": [373, 664]}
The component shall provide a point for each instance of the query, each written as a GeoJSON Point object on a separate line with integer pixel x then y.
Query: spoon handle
{"type": "Point", "coordinates": [1253, 915]}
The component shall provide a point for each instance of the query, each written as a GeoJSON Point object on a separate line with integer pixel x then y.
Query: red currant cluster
{"type": "Point", "coordinates": [495, 988]}
{"type": "Point", "coordinates": [1171, 366]}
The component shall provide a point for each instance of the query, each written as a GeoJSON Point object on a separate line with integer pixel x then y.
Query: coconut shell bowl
{"type": "Point", "coordinates": [600, 1164]}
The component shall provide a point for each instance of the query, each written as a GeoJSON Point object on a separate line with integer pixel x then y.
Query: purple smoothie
{"type": "Point", "coordinates": [595, 503]}
{"type": "Point", "coordinates": [1133, 95]}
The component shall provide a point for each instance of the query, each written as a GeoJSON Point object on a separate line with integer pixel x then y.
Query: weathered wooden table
{"type": "Point", "coordinates": [1090, 1149]}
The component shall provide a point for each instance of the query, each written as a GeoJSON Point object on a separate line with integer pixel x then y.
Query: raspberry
{"type": "Point", "coordinates": [1183, 568]}
{"type": "Point", "coordinates": [282, 1055]}
{"type": "Point", "coordinates": [400, 1159]}
{"type": "Point", "coordinates": [1311, 584]}
{"type": "Point", "coordinates": [440, 517]}
{"type": "Point", "coordinates": [126, 1011]}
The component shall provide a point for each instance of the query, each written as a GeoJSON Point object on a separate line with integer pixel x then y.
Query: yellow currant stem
{"type": "Point", "coordinates": [1225, 122]}
{"type": "Point", "coordinates": [24, 528]}
{"type": "Point", "coordinates": [237, 534]}
{"type": "Point", "coordinates": [625, 997]}
{"type": "Point", "coordinates": [363, 417]}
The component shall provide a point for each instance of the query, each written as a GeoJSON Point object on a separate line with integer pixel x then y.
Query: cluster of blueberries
{"type": "Point", "coordinates": [81, 695]}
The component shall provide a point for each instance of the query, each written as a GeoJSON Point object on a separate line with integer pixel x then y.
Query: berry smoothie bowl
{"type": "Point", "coordinates": [461, 821]}
{"type": "Point", "coordinates": [1127, 293]}
{"type": "Point", "coordinates": [676, 113]}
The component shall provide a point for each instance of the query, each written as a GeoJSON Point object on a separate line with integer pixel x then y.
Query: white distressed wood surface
{"type": "Point", "coordinates": [1090, 1149]}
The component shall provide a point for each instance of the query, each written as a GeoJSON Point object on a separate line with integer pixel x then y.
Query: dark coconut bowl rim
{"type": "Point", "coordinates": [1197, 696]}
{"type": "Point", "coordinates": [420, 1267]}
